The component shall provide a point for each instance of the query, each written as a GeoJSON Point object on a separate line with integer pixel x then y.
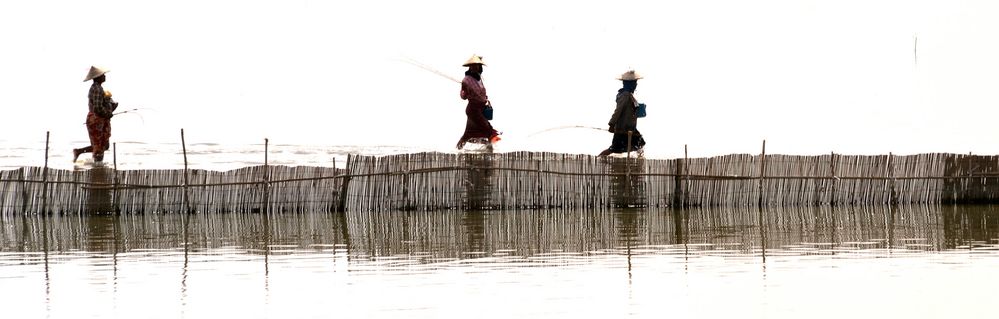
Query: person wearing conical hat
{"type": "Point", "coordinates": [477, 127]}
{"type": "Point", "coordinates": [625, 118]}
{"type": "Point", "coordinates": [101, 109]}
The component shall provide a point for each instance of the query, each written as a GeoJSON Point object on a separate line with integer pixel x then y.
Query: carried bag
{"type": "Point", "coordinates": [641, 110]}
{"type": "Point", "coordinates": [488, 112]}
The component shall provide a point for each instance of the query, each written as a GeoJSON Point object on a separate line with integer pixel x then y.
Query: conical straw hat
{"type": "Point", "coordinates": [475, 59]}
{"type": "Point", "coordinates": [631, 75]}
{"type": "Point", "coordinates": [95, 72]}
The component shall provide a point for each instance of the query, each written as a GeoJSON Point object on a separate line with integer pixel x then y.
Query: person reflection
{"type": "Point", "coordinates": [99, 197]}
{"type": "Point", "coordinates": [478, 182]}
{"type": "Point", "coordinates": [628, 222]}
{"type": "Point", "coordinates": [967, 225]}
{"type": "Point", "coordinates": [627, 190]}
{"type": "Point", "coordinates": [474, 222]}
{"type": "Point", "coordinates": [102, 233]}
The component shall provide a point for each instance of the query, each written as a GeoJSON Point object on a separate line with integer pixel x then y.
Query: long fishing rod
{"type": "Point", "coordinates": [431, 69]}
{"type": "Point", "coordinates": [134, 111]}
{"type": "Point", "coordinates": [568, 127]}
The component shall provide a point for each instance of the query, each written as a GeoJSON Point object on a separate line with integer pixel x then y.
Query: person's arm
{"type": "Point", "coordinates": [464, 88]}
{"type": "Point", "coordinates": [107, 104]}
{"type": "Point", "coordinates": [621, 104]}
{"type": "Point", "coordinates": [471, 90]}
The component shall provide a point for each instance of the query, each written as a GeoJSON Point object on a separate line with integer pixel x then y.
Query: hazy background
{"type": "Point", "coordinates": [810, 77]}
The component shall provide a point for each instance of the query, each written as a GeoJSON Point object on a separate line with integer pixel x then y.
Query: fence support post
{"type": "Point", "coordinates": [890, 181]}
{"type": "Point", "coordinates": [267, 173]}
{"type": "Point", "coordinates": [45, 176]}
{"type": "Point", "coordinates": [763, 168]}
{"type": "Point", "coordinates": [678, 180]}
{"type": "Point", "coordinates": [345, 180]}
{"type": "Point", "coordinates": [114, 178]}
{"type": "Point", "coordinates": [833, 179]}
{"type": "Point", "coordinates": [183, 147]}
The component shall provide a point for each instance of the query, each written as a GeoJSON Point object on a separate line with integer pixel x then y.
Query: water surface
{"type": "Point", "coordinates": [913, 262]}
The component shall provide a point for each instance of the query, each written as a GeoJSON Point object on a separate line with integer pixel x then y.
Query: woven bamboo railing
{"type": "Point", "coordinates": [519, 180]}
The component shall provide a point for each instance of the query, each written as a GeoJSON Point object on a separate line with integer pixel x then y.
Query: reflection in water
{"type": "Point", "coordinates": [452, 233]}
{"type": "Point", "coordinates": [627, 190]}
{"type": "Point", "coordinates": [420, 263]}
{"type": "Point", "coordinates": [478, 185]}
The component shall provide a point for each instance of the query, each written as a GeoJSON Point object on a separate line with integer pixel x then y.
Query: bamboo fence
{"type": "Point", "coordinates": [437, 235]}
{"type": "Point", "coordinates": [517, 180]}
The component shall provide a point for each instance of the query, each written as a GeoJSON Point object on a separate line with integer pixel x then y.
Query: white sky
{"type": "Point", "coordinates": [810, 77]}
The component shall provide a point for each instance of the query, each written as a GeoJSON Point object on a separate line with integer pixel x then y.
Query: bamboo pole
{"type": "Point", "coordinates": [763, 168]}
{"type": "Point", "coordinates": [890, 182]}
{"type": "Point", "coordinates": [183, 146]}
{"type": "Point", "coordinates": [686, 177]}
{"type": "Point", "coordinates": [345, 180]}
{"type": "Point", "coordinates": [833, 179]}
{"type": "Point", "coordinates": [266, 208]}
{"type": "Point", "coordinates": [114, 178]}
{"type": "Point", "coordinates": [45, 175]}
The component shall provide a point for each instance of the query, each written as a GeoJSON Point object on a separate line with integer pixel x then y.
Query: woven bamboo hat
{"type": "Point", "coordinates": [631, 75]}
{"type": "Point", "coordinates": [475, 59]}
{"type": "Point", "coordinates": [95, 72]}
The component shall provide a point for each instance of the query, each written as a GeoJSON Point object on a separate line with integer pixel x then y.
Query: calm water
{"type": "Point", "coordinates": [901, 262]}
{"type": "Point", "coordinates": [210, 156]}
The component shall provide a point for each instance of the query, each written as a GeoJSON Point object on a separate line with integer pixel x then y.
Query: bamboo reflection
{"type": "Point", "coordinates": [968, 226]}
{"type": "Point", "coordinates": [627, 190]}
{"type": "Point", "coordinates": [452, 234]}
{"type": "Point", "coordinates": [99, 199]}
{"type": "Point", "coordinates": [629, 223]}
{"type": "Point", "coordinates": [478, 181]}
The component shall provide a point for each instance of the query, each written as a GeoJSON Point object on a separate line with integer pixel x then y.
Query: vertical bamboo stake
{"type": "Point", "coordinates": [405, 183]}
{"type": "Point", "coordinates": [45, 174]}
{"type": "Point", "coordinates": [266, 180]}
{"type": "Point", "coordinates": [833, 179]}
{"type": "Point", "coordinates": [114, 178]}
{"type": "Point", "coordinates": [686, 176]}
{"type": "Point", "coordinates": [342, 200]}
{"type": "Point", "coordinates": [763, 167]}
{"type": "Point", "coordinates": [628, 155]}
{"type": "Point", "coordinates": [183, 147]}
{"type": "Point", "coordinates": [890, 182]}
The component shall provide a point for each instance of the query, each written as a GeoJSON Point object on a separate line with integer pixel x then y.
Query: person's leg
{"type": "Point", "coordinates": [78, 151]}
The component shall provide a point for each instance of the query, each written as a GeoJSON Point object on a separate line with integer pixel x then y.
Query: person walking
{"type": "Point", "coordinates": [625, 117]}
{"type": "Point", "coordinates": [101, 109]}
{"type": "Point", "coordinates": [477, 126]}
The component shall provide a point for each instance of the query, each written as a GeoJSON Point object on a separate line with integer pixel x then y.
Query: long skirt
{"type": "Point", "coordinates": [620, 142]}
{"type": "Point", "coordinates": [99, 129]}
{"type": "Point", "coordinates": [476, 126]}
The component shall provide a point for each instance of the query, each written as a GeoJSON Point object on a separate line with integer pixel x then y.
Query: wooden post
{"type": "Point", "coordinates": [628, 155]}
{"type": "Point", "coordinates": [686, 177]}
{"type": "Point", "coordinates": [405, 183]}
{"type": "Point", "coordinates": [342, 198]}
{"type": "Point", "coordinates": [24, 190]}
{"type": "Point", "coordinates": [183, 145]}
{"type": "Point", "coordinates": [538, 188]}
{"type": "Point", "coordinates": [267, 172]}
{"type": "Point", "coordinates": [763, 168]}
{"type": "Point", "coordinates": [833, 179]}
{"type": "Point", "coordinates": [45, 175]}
{"type": "Point", "coordinates": [627, 169]}
{"type": "Point", "coordinates": [114, 178]}
{"type": "Point", "coordinates": [678, 180]}
{"type": "Point", "coordinates": [890, 182]}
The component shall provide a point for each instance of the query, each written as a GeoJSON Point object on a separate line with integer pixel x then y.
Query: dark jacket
{"type": "Point", "coordinates": [625, 116]}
